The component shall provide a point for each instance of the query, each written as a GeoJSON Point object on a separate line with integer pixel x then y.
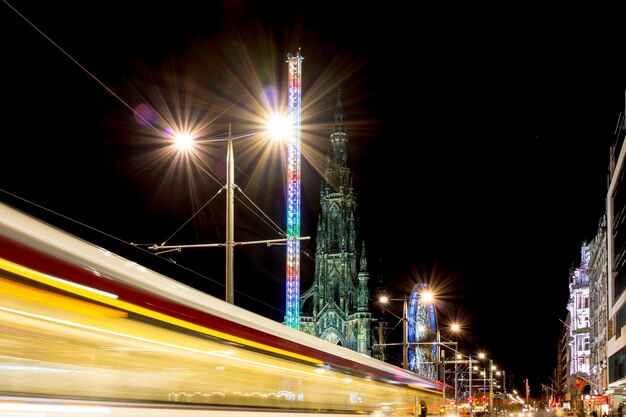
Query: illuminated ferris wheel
{"type": "Point", "coordinates": [422, 337]}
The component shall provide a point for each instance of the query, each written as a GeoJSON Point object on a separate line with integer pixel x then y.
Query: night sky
{"type": "Point", "coordinates": [479, 144]}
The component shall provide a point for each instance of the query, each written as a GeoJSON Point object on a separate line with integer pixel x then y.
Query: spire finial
{"type": "Point", "coordinates": [339, 125]}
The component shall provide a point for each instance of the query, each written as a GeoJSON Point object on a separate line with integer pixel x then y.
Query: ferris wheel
{"type": "Point", "coordinates": [422, 337]}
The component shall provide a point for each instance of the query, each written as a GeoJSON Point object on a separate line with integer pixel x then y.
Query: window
{"type": "Point", "coordinates": [616, 365]}
{"type": "Point", "coordinates": [583, 364]}
{"type": "Point", "coordinates": [582, 343]}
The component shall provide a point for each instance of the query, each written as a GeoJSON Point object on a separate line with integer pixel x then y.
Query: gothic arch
{"type": "Point", "coordinates": [333, 336]}
{"type": "Point", "coordinates": [307, 302]}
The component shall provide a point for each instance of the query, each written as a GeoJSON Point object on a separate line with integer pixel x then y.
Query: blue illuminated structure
{"type": "Point", "coordinates": [421, 314]}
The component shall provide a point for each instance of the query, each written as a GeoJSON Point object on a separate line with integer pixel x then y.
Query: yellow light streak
{"type": "Point", "coordinates": [47, 298]}
{"type": "Point", "coordinates": [52, 408]}
{"type": "Point", "coordinates": [56, 282]}
{"type": "Point", "coordinates": [123, 305]}
{"type": "Point", "coordinates": [288, 368]}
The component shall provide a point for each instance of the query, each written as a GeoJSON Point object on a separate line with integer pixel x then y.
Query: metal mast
{"type": "Point", "coordinates": [292, 307]}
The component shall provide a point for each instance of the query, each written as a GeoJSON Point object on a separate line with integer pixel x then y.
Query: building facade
{"type": "Point", "coordinates": [597, 272]}
{"type": "Point", "coordinates": [564, 396]}
{"type": "Point", "coordinates": [593, 349]}
{"type": "Point", "coordinates": [616, 255]}
{"type": "Point", "coordinates": [579, 337]}
{"type": "Point", "coordinates": [336, 307]}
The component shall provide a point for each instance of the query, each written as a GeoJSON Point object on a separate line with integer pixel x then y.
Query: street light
{"type": "Point", "coordinates": [483, 373]}
{"type": "Point", "coordinates": [185, 142]}
{"type": "Point", "coordinates": [405, 328]}
{"type": "Point", "coordinates": [500, 374]}
{"type": "Point", "coordinates": [490, 386]}
{"type": "Point", "coordinates": [471, 370]}
{"type": "Point", "coordinates": [440, 345]}
{"type": "Point", "coordinates": [230, 222]}
{"type": "Point", "coordinates": [422, 312]}
{"type": "Point", "coordinates": [410, 321]}
{"type": "Point", "coordinates": [413, 324]}
{"type": "Point", "coordinates": [503, 374]}
{"type": "Point", "coordinates": [491, 369]}
{"type": "Point", "coordinates": [470, 361]}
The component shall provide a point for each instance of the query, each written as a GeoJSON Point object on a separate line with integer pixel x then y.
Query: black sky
{"type": "Point", "coordinates": [479, 142]}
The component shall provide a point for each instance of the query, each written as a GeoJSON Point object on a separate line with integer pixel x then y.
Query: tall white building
{"type": "Point", "coordinates": [591, 371]}
{"type": "Point", "coordinates": [579, 337]}
{"type": "Point", "coordinates": [616, 251]}
{"type": "Point", "coordinates": [598, 282]}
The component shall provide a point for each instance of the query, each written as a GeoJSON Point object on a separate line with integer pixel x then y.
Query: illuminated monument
{"type": "Point", "coordinates": [335, 308]}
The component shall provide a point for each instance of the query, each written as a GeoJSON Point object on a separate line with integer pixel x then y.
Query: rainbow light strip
{"type": "Point", "coordinates": [292, 307]}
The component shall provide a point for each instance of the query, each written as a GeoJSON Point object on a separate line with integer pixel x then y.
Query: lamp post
{"type": "Point", "coordinates": [405, 335]}
{"type": "Point", "coordinates": [490, 386]}
{"type": "Point", "coordinates": [504, 390]}
{"type": "Point", "coordinates": [483, 373]}
{"type": "Point", "coordinates": [410, 317]}
{"type": "Point", "coordinates": [480, 357]}
{"type": "Point", "coordinates": [471, 370]}
{"type": "Point", "coordinates": [229, 243]}
{"type": "Point", "coordinates": [230, 222]}
{"type": "Point", "coordinates": [456, 377]}
{"type": "Point", "coordinates": [502, 374]}
{"type": "Point", "coordinates": [491, 368]}
{"type": "Point", "coordinates": [405, 329]}
{"type": "Point", "coordinates": [439, 361]}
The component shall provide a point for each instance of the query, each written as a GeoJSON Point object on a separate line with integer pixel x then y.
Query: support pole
{"type": "Point", "coordinates": [504, 391]}
{"type": "Point", "coordinates": [456, 377]}
{"type": "Point", "coordinates": [470, 386]}
{"type": "Point", "coordinates": [490, 386]}
{"type": "Point", "coordinates": [405, 337]}
{"type": "Point", "coordinates": [439, 352]}
{"type": "Point", "coordinates": [230, 223]}
{"type": "Point", "coordinates": [443, 353]}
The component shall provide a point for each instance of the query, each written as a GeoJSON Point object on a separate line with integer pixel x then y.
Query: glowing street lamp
{"type": "Point", "coordinates": [491, 369]}
{"type": "Point", "coordinates": [405, 330]}
{"type": "Point", "coordinates": [418, 317]}
{"type": "Point", "coordinates": [184, 142]}
{"type": "Point", "coordinates": [454, 327]}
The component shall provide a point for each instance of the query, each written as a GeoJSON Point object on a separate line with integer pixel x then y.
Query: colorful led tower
{"type": "Point", "coordinates": [292, 307]}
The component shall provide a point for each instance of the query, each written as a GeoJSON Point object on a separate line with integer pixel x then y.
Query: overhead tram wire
{"type": "Point", "coordinates": [110, 91]}
{"type": "Point", "coordinates": [271, 306]}
{"type": "Point", "coordinates": [103, 85]}
{"type": "Point", "coordinates": [137, 114]}
{"type": "Point", "coordinates": [267, 220]}
{"type": "Point", "coordinates": [188, 220]}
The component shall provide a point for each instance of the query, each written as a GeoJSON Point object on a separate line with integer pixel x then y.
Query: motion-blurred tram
{"type": "Point", "coordinates": [82, 324]}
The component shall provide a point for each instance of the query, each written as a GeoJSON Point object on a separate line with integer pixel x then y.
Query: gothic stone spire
{"type": "Point", "coordinates": [337, 171]}
{"type": "Point", "coordinates": [340, 126]}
